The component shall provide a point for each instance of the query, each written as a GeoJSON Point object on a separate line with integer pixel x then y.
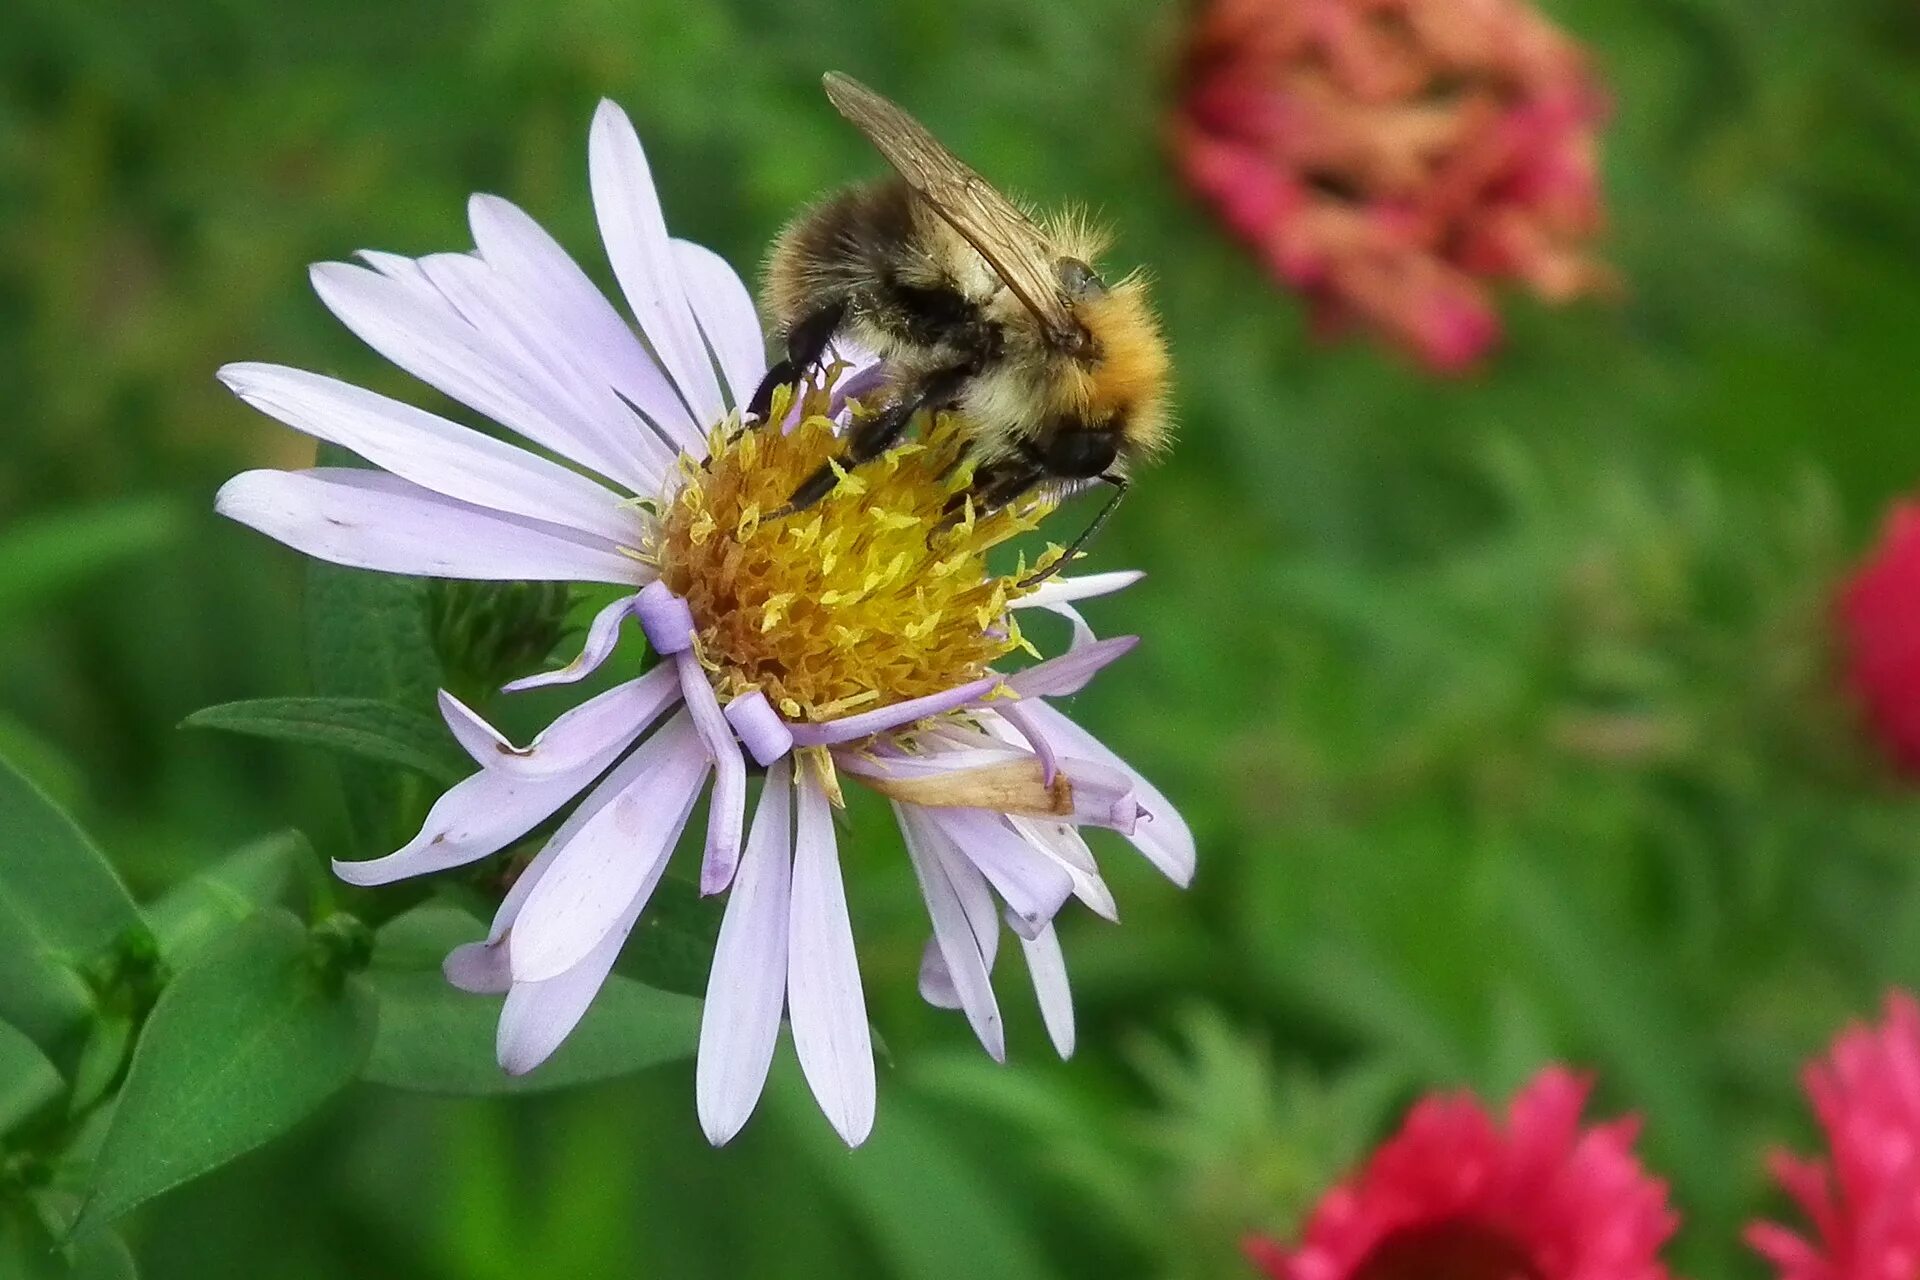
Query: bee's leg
{"type": "Point", "coordinates": [994, 486]}
{"type": "Point", "coordinates": [873, 436]}
{"type": "Point", "coordinates": [806, 343]}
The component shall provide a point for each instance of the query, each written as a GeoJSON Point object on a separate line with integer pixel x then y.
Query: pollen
{"type": "Point", "coordinates": [878, 593]}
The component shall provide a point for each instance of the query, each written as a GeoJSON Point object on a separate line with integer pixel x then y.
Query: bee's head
{"type": "Point", "coordinates": [1118, 390]}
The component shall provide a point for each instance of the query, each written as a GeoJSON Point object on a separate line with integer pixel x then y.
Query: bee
{"type": "Point", "coordinates": [972, 305]}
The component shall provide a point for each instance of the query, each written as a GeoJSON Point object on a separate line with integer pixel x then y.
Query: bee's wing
{"type": "Point", "coordinates": [991, 223]}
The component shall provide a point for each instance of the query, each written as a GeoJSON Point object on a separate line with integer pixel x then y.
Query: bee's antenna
{"type": "Point", "coordinates": [1119, 484]}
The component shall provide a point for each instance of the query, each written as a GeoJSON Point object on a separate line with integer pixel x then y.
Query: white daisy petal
{"type": "Point", "coordinates": [1067, 847]}
{"type": "Point", "coordinates": [936, 984]}
{"type": "Point", "coordinates": [609, 720]}
{"type": "Point", "coordinates": [437, 345]}
{"type": "Point", "coordinates": [581, 896]}
{"type": "Point", "coordinates": [569, 301]}
{"type": "Point", "coordinates": [1162, 834]}
{"type": "Point", "coordinates": [747, 986]}
{"type": "Point", "coordinates": [726, 809]}
{"type": "Point", "coordinates": [603, 636]}
{"type": "Point", "coordinates": [548, 360]}
{"type": "Point", "coordinates": [966, 967]}
{"type": "Point", "coordinates": [824, 996]}
{"type": "Point", "coordinates": [369, 520]}
{"type": "Point", "coordinates": [635, 234]}
{"type": "Point", "coordinates": [1057, 591]}
{"type": "Point", "coordinates": [452, 460]}
{"type": "Point", "coordinates": [1049, 970]}
{"type": "Point", "coordinates": [1031, 884]}
{"type": "Point", "coordinates": [724, 310]}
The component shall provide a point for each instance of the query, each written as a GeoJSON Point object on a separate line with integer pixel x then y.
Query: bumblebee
{"type": "Point", "coordinates": [972, 304]}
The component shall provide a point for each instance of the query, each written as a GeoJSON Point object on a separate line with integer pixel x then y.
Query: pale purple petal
{"type": "Point", "coordinates": [452, 460]}
{"type": "Point", "coordinates": [727, 808]}
{"type": "Point", "coordinates": [760, 729]}
{"type": "Point", "coordinates": [747, 986]}
{"type": "Point", "coordinates": [931, 764]}
{"type": "Point", "coordinates": [724, 310]}
{"type": "Point", "coordinates": [538, 1016]}
{"type": "Point", "coordinates": [480, 740]}
{"type": "Point", "coordinates": [1070, 672]}
{"type": "Point", "coordinates": [477, 816]}
{"type": "Point", "coordinates": [621, 848]}
{"type": "Point", "coordinates": [1055, 591]}
{"type": "Point", "coordinates": [404, 270]}
{"type": "Point", "coordinates": [1011, 713]}
{"type": "Point", "coordinates": [665, 618]}
{"type": "Point", "coordinates": [1065, 846]}
{"type": "Point", "coordinates": [607, 722]}
{"type": "Point", "coordinates": [1032, 885]}
{"type": "Point", "coordinates": [966, 967]}
{"type": "Point", "coordinates": [1049, 970]}
{"type": "Point", "coordinates": [824, 997]}
{"type": "Point", "coordinates": [868, 723]}
{"type": "Point", "coordinates": [1162, 834]}
{"type": "Point", "coordinates": [936, 984]}
{"type": "Point", "coordinates": [635, 233]}
{"type": "Point", "coordinates": [550, 361]}
{"type": "Point", "coordinates": [569, 301]}
{"type": "Point", "coordinates": [368, 520]}
{"type": "Point", "coordinates": [478, 968]}
{"type": "Point", "coordinates": [603, 636]}
{"type": "Point", "coordinates": [433, 342]}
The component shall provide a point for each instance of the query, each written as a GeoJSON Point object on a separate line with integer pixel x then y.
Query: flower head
{"type": "Point", "coordinates": [1863, 1200]}
{"type": "Point", "coordinates": [1879, 617]}
{"type": "Point", "coordinates": [863, 637]}
{"type": "Point", "coordinates": [1389, 158]}
{"type": "Point", "coordinates": [1455, 1196]}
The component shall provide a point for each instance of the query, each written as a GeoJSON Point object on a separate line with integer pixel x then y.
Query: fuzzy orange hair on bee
{"type": "Point", "coordinates": [973, 304]}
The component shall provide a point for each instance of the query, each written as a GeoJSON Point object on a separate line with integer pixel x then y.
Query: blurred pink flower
{"type": "Point", "coordinates": [1863, 1200]}
{"type": "Point", "coordinates": [1879, 618]}
{"type": "Point", "coordinates": [1390, 158]}
{"type": "Point", "coordinates": [1453, 1196]}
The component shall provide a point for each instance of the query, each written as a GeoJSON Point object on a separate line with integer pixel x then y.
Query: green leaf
{"type": "Point", "coordinates": [28, 1081]}
{"type": "Point", "coordinates": [434, 1038]}
{"type": "Point", "coordinates": [46, 554]}
{"type": "Point", "coordinates": [368, 637]}
{"type": "Point", "coordinates": [671, 948]}
{"type": "Point", "coordinates": [240, 1047]}
{"type": "Point", "coordinates": [31, 1248]}
{"type": "Point", "coordinates": [257, 875]}
{"type": "Point", "coordinates": [61, 904]}
{"type": "Point", "coordinates": [366, 727]}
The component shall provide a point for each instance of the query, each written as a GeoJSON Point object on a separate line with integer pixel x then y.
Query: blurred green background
{"type": "Point", "coordinates": [1501, 707]}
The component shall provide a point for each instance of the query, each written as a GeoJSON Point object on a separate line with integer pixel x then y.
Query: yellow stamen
{"type": "Point", "coordinates": [876, 594]}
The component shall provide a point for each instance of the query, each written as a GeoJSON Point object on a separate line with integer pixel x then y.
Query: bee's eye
{"type": "Point", "coordinates": [1081, 452]}
{"type": "Point", "coordinates": [1078, 279]}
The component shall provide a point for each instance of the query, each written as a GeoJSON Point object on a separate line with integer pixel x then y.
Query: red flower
{"type": "Point", "coordinates": [1880, 622]}
{"type": "Point", "coordinates": [1863, 1201]}
{"type": "Point", "coordinates": [1453, 1196]}
{"type": "Point", "coordinates": [1388, 157]}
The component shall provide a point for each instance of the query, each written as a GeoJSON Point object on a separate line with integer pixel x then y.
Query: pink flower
{"type": "Point", "coordinates": [1453, 1196]}
{"type": "Point", "coordinates": [1390, 158]}
{"type": "Point", "coordinates": [1863, 1201]}
{"type": "Point", "coordinates": [1879, 616]}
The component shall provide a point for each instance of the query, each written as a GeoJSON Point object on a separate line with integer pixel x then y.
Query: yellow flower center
{"type": "Point", "coordinates": [878, 593]}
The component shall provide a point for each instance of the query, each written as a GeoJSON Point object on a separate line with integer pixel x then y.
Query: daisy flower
{"type": "Point", "coordinates": [1863, 1200]}
{"type": "Point", "coordinates": [1455, 1195]}
{"type": "Point", "coordinates": [862, 639]}
{"type": "Point", "coordinates": [1392, 158]}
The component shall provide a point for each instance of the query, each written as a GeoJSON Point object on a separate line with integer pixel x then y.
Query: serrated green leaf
{"type": "Point", "coordinates": [28, 1081]}
{"type": "Point", "coordinates": [240, 1047]}
{"type": "Point", "coordinates": [365, 727]}
{"type": "Point", "coordinates": [434, 1038]}
{"type": "Point", "coordinates": [61, 904]}
{"type": "Point", "coordinates": [257, 875]}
